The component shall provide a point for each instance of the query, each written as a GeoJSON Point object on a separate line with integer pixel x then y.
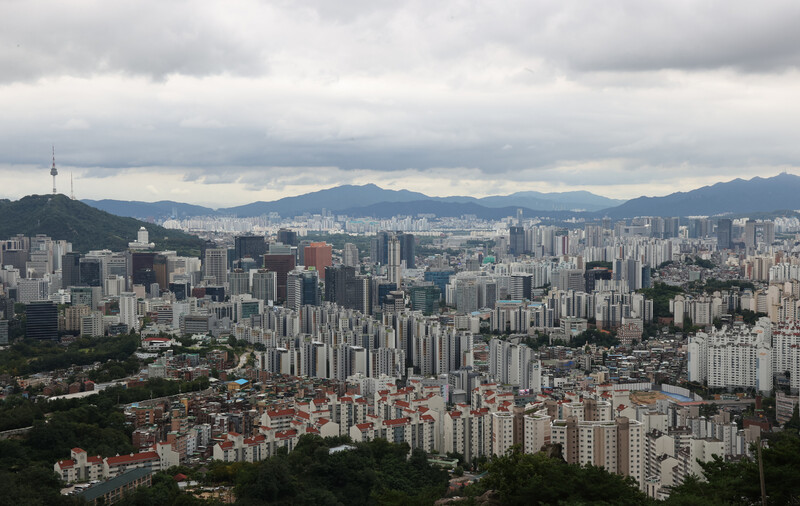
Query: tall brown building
{"type": "Point", "coordinates": [318, 255]}
{"type": "Point", "coordinates": [282, 265]}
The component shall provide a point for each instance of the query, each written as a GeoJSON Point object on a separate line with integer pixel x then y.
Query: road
{"type": "Point", "coordinates": [242, 362]}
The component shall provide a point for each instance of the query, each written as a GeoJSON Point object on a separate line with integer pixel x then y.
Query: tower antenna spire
{"type": "Point", "coordinates": [71, 188]}
{"type": "Point", "coordinates": [54, 171]}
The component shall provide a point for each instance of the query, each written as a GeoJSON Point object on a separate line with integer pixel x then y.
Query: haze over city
{"type": "Point", "coordinates": [204, 103]}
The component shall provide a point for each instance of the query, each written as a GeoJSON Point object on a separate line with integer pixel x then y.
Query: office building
{"type": "Point", "coordinates": [41, 320]}
{"type": "Point", "coordinates": [341, 286]}
{"type": "Point", "coordinates": [302, 288]}
{"type": "Point", "coordinates": [281, 264]}
{"type": "Point", "coordinates": [318, 256]}
{"type": "Point", "coordinates": [407, 249]}
{"type": "Point", "coordinates": [249, 246]}
{"type": "Point", "coordinates": [215, 265]}
{"type": "Point", "coordinates": [239, 282]}
{"type": "Point", "coordinates": [265, 285]}
{"type": "Point", "coordinates": [287, 236]}
{"type": "Point", "coordinates": [725, 233]}
{"type": "Point", "coordinates": [70, 269]}
{"type": "Point", "coordinates": [350, 255]}
{"type": "Point", "coordinates": [516, 241]}
{"type": "Point", "coordinates": [425, 298]}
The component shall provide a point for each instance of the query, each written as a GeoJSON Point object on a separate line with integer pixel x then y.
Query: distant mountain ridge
{"type": "Point", "coordinates": [340, 198]}
{"type": "Point", "coordinates": [738, 196]}
{"type": "Point", "coordinates": [757, 195]}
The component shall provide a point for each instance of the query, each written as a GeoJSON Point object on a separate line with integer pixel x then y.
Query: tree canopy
{"type": "Point", "coordinates": [531, 479]}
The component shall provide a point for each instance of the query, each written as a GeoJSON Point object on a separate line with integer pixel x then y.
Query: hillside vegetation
{"type": "Point", "coordinates": [84, 226]}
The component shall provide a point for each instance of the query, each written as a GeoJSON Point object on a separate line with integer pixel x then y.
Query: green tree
{"type": "Point", "coordinates": [738, 482]}
{"type": "Point", "coordinates": [521, 478]}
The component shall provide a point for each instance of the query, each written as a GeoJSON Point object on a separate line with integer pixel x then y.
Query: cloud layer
{"type": "Point", "coordinates": [222, 103]}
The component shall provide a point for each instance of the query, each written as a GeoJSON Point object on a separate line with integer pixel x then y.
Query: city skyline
{"type": "Point", "coordinates": [269, 101]}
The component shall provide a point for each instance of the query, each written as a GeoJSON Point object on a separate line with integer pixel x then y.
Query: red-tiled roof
{"type": "Point", "coordinates": [396, 421]}
{"type": "Point", "coordinates": [65, 464]}
{"type": "Point", "coordinates": [131, 459]}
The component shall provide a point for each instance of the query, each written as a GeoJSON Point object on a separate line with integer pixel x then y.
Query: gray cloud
{"type": "Point", "coordinates": [269, 95]}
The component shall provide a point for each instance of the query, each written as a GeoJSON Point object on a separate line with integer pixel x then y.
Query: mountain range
{"type": "Point", "coordinates": [738, 196]}
{"type": "Point", "coordinates": [342, 198]}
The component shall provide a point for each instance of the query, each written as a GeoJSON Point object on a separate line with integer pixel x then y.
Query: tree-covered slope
{"type": "Point", "coordinates": [84, 226]}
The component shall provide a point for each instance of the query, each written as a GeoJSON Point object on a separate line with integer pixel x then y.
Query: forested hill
{"type": "Point", "coordinates": [84, 226]}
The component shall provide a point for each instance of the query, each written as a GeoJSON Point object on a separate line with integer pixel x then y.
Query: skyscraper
{"type": "Point", "coordinates": [287, 236]}
{"type": "Point", "coordinates": [724, 233]}
{"type": "Point", "coordinates": [379, 253]}
{"type": "Point", "coordinates": [407, 247]}
{"type": "Point", "coordinates": [394, 259]}
{"type": "Point", "coordinates": [281, 264]}
{"type": "Point", "coordinates": [318, 256]}
{"type": "Point", "coordinates": [249, 246]}
{"type": "Point", "coordinates": [340, 285]}
{"type": "Point", "coordinates": [215, 265]}
{"type": "Point", "coordinates": [302, 288]}
{"type": "Point", "coordinates": [265, 285]}
{"type": "Point", "coordinates": [516, 240]}
{"type": "Point", "coordinates": [91, 272]}
{"type": "Point", "coordinates": [350, 255]}
{"type": "Point", "coordinates": [70, 269]}
{"type": "Point", "coordinates": [239, 282]}
{"type": "Point", "coordinates": [41, 320]}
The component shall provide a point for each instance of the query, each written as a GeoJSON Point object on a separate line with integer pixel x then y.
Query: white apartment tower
{"type": "Point", "coordinates": [127, 310]}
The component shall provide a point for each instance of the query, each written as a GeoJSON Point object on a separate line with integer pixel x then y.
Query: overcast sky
{"type": "Point", "coordinates": [224, 103]}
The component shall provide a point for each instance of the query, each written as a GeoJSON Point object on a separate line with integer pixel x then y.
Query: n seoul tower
{"type": "Point", "coordinates": [54, 171]}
